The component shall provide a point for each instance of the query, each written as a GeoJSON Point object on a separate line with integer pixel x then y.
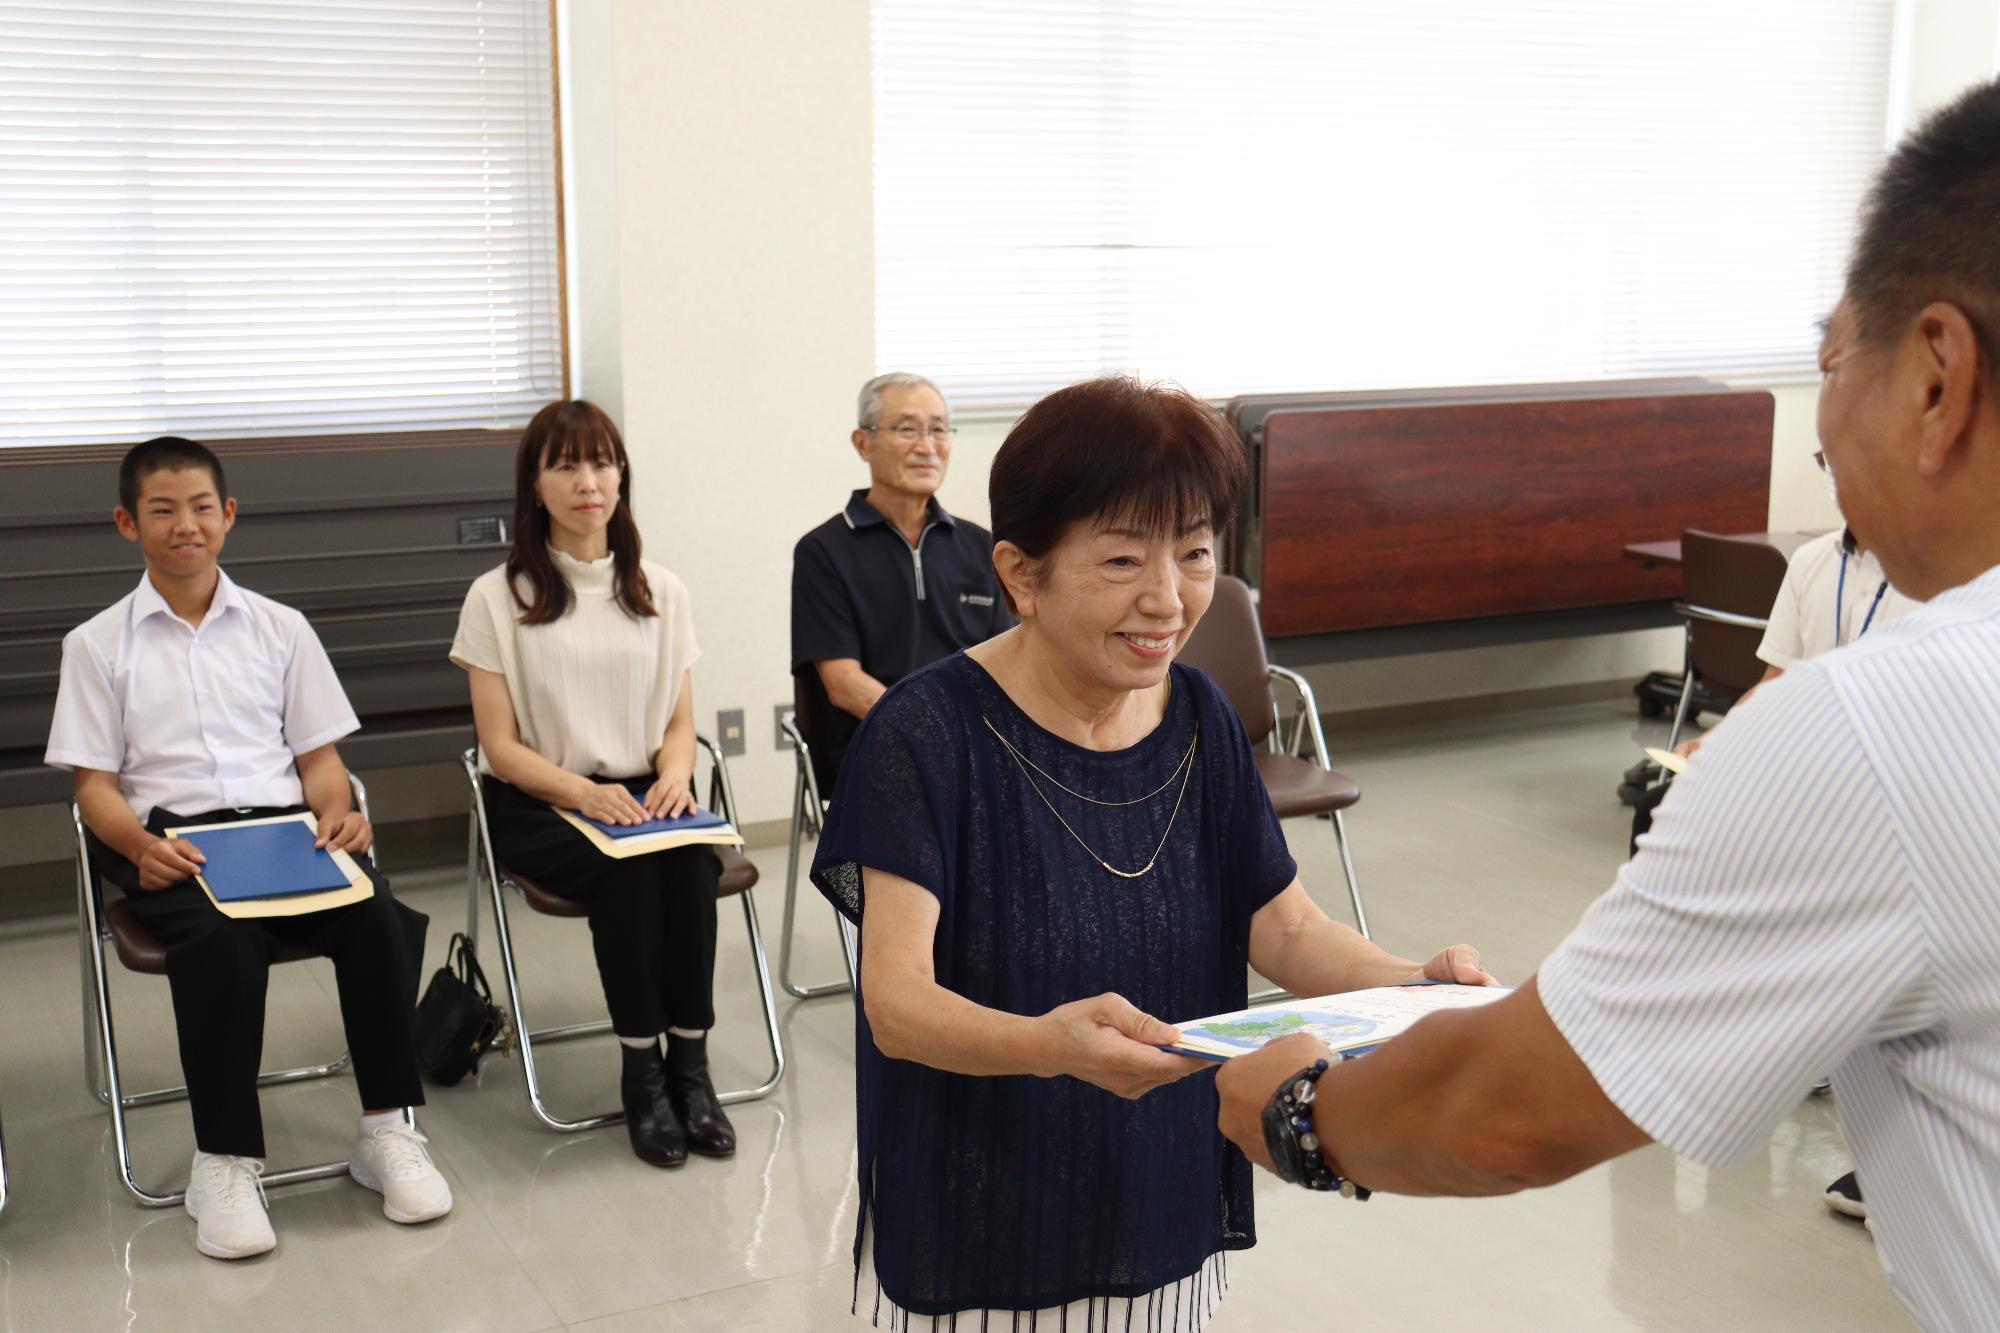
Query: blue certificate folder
{"type": "Point", "coordinates": [690, 822]}
{"type": "Point", "coordinates": [261, 860]}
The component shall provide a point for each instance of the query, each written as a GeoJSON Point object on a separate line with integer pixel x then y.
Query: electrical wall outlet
{"type": "Point", "coordinates": [779, 712]}
{"type": "Point", "coordinates": [729, 732]}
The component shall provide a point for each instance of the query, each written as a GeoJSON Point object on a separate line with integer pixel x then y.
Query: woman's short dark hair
{"type": "Point", "coordinates": [164, 453]}
{"type": "Point", "coordinates": [1117, 453]}
{"type": "Point", "coordinates": [565, 432]}
{"type": "Point", "coordinates": [1930, 230]}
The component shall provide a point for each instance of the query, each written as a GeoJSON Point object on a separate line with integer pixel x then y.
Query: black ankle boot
{"type": "Point", "coordinates": [657, 1136]}
{"type": "Point", "coordinates": [708, 1129]}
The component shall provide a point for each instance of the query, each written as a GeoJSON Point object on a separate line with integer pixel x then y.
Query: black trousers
{"type": "Point", "coordinates": [218, 968]}
{"type": "Point", "coordinates": [652, 918]}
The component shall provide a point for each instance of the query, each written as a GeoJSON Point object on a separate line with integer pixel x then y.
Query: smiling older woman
{"type": "Point", "coordinates": [1048, 840]}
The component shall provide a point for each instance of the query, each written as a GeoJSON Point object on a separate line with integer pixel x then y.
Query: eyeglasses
{"type": "Point", "coordinates": [910, 434]}
{"type": "Point", "coordinates": [1819, 459]}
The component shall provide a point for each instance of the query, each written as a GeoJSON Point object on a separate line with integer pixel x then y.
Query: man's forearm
{"type": "Point", "coordinates": [324, 779]}
{"type": "Point", "coordinates": [106, 815]}
{"type": "Point", "coordinates": [1469, 1102]}
{"type": "Point", "coordinates": [849, 688]}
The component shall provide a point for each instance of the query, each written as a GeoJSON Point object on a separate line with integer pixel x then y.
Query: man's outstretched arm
{"type": "Point", "coordinates": [1468, 1102]}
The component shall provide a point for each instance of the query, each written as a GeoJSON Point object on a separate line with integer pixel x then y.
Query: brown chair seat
{"type": "Point", "coordinates": [739, 874]}
{"type": "Point", "coordinates": [141, 952]}
{"type": "Point", "coordinates": [1301, 788]}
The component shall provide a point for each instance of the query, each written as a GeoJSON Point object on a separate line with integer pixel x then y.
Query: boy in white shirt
{"type": "Point", "coordinates": [192, 700]}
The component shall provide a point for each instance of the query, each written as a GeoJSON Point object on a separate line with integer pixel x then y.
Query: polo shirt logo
{"type": "Point", "coordinates": [974, 599]}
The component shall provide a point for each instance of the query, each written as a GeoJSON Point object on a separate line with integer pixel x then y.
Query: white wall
{"type": "Point", "coordinates": [737, 166]}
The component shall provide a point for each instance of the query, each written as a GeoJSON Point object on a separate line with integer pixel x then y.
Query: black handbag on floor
{"type": "Point", "coordinates": [457, 1021]}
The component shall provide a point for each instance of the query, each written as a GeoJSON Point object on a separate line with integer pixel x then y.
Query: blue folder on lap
{"type": "Point", "coordinates": [687, 823]}
{"type": "Point", "coordinates": [262, 860]}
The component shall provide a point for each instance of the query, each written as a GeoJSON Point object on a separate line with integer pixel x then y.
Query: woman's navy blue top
{"type": "Point", "coordinates": [1020, 1192]}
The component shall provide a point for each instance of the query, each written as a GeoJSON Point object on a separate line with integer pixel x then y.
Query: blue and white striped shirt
{"type": "Point", "coordinates": [1822, 891]}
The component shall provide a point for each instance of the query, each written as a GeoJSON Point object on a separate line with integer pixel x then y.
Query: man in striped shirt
{"type": "Point", "coordinates": [1823, 890]}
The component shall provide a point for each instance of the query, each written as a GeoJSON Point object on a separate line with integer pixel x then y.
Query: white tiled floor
{"type": "Point", "coordinates": [1496, 831]}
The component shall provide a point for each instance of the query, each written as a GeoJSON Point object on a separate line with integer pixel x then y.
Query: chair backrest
{"type": "Point", "coordinates": [810, 707]}
{"type": "Point", "coordinates": [1228, 643]}
{"type": "Point", "coordinates": [1736, 576]}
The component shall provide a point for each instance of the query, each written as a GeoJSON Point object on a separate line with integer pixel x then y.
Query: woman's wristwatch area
{"type": "Point", "coordinates": [1289, 1137]}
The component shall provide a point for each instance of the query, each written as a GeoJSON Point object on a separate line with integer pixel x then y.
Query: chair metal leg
{"type": "Point", "coordinates": [472, 880]}
{"type": "Point", "coordinates": [3, 1172]}
{"type": "Point", "coordinates": [770, 1002]}
{"type": "Point", "coordinates": [1353, 884]}
{"type": "Point", "coordinates": [806, 812]}
{"type": "Point", "coordinates": [720, 778]}
{"type": "Point", "coordinates": [524, 1036]}
{"type": "Point", "coordinates": [1687, 691]}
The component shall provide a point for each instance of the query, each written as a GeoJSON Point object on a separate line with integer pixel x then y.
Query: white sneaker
{"type": "Point", "coordinates": [392, 1162]}
{"type": "Point", "coordinates": [225, 1197]}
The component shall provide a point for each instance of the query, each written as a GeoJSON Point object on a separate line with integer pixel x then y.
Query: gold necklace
{"type": "Point", "coordinates": [1185, 768]}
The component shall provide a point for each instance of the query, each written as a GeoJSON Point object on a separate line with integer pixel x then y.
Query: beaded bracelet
{"type": "Point", "coordinates": [1289, 1136]}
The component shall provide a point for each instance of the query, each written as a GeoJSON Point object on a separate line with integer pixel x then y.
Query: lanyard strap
{"type": "Point", "coordinates": [1840, 600]}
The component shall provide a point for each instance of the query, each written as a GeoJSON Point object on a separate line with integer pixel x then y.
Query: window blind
{"type": "Point", "coordinates": [244, 218]}
{"type": "Point", "coordinates": [1269, 195]}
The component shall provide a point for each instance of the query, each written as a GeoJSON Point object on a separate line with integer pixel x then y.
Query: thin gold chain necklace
{"type": "Point", "coordinates": [1185, 767]}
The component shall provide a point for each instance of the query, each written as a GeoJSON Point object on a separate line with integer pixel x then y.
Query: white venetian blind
{"type": "Point", "coordinates": [234, 218]}
{"type": "Point", "coordinates": [1262, 195]}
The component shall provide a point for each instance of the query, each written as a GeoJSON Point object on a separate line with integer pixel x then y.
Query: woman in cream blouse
{"type": "Point", "coordinates": [579, 654]}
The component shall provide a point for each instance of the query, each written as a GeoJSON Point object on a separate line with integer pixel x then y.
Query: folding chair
{"type": "Point", "coordinates": [804, 727]}
{"type": "Point", "coordinates": [99, 921]}
{"type": "Point", "coordinates": [1228, 644]}
{"type": "Point", "coordinates": [739, 877]}
{"type": "Point", "coordinates": [1727, 586]}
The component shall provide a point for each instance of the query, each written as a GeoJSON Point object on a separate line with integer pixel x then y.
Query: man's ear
{"type": "Point", "coordinates": [860, 441]}
{"type": "Point", "coordinates": [1946, 358]}
{"type": "Point", "coordinates": [128, 526]}
{"type": "Point", "coordinates": [1019, 574]}
{"type": "Point", "coordinates": [229, 513]}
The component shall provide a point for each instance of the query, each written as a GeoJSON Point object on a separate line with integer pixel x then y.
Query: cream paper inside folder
{"type": "Point", "coordinates": [217, 838]}
{"type": "Point", "coordinates": [642, 844]}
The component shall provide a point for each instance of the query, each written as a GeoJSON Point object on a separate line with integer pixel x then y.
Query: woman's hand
{"type": "Point", "coordinates": [1109, 1044]}
{"type": "Point", "coordinates": [1459, 963]}
{"type": "Point", "coordinates": [671, 796]}
{"type": "Point", "coordinates": [610, 803]}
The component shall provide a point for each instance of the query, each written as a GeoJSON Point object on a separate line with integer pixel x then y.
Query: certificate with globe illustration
{"type": "Point", "coordinates": [1349, 1024]}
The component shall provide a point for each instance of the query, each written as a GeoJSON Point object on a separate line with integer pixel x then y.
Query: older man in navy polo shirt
{"type": "Point", "coordinates": [892, 582]}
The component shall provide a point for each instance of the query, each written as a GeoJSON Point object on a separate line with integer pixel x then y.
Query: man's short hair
{"type": "Point", "coordinates": [868, 409]}
{"type": "Point", "coordinates": [167, 453]}
{"type": "Point", "coordinates": [1930, 230]}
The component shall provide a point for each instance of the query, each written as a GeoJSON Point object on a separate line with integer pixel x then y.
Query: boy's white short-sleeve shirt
{"type": "Point", "coordinates": [193, 719]}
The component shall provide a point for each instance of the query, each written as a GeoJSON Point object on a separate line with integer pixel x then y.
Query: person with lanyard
{"type": "Point", "coordinates": [893, 581]}
{"type": "Point", "coordinates": [1833, 593]}
{"type": "Point", "coordinates": [1052, 842]}
{"type": "Point", "coordinates": [1818, 890]}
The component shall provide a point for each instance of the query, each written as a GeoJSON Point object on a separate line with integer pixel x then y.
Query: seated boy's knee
{"type": "Point", "coordinates": [229, 943]}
